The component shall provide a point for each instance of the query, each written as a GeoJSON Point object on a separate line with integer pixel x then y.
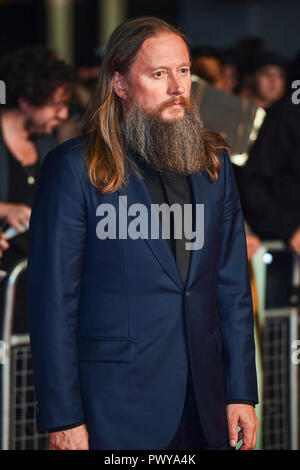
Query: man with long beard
{"type": "Point", "coordinates": [138, 342]}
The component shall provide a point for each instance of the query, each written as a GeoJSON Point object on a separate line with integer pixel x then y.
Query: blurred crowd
{"type": "Point", "coordinates": [269, 181]}
{"type": "Point", "coordinates": [46, 98]}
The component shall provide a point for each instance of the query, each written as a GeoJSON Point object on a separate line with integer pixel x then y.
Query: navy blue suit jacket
{"type": "Point", "coordinates": [112, 326]}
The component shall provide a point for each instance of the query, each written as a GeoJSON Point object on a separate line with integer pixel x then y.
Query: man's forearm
{"type": "Point", "coordinates": [4, 208]}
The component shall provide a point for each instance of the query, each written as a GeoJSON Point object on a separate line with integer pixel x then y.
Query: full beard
{"type": "Point", "coordinates": [174, 146]}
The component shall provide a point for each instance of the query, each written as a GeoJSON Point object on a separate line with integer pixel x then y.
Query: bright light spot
{"type": "Point", "coordinates": [267, 258]}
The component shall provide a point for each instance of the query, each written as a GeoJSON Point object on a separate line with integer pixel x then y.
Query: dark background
{"type": "Point", "coordinates": [217, 22]}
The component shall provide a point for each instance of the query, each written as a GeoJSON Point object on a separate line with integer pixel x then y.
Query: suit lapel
{"type": "Point", "coordinates": [199, 184]}
{"type": "Point", "coordinates": [136, 192]}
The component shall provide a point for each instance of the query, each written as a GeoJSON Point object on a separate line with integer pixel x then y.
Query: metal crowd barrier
{"type": "Point", "coordinates": [18, 424]}
{"type": "Point", "coordinates": [279, 324]}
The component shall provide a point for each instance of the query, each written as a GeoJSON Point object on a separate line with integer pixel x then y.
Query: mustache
{"type": "Point", "coordinates": [186, 103]}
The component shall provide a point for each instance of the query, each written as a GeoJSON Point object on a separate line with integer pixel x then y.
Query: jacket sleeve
{"type": "Point", "coordinates": [56, 253]}
{"type": "Point", "coordinates": [234, 298]}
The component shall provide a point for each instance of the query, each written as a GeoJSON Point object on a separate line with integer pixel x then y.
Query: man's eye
{"type": "Point", "coordinates": [158, 74]}
{"type": "Point", "coordinates": [184, 70]}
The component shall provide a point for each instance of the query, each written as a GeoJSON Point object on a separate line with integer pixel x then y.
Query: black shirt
{"type": "Point", "coordinates": [20, 192]}
{"type": "Point", "coordinates": [172, 189]}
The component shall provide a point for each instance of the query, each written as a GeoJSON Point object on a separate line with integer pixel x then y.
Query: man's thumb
{"type": "Point", "coordinates": [233, 431]}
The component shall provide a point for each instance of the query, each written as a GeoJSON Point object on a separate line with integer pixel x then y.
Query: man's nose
{"type": "Point", "coordinates": [63, 113]}
{"type": "Point", "coordinates": [175, 86]}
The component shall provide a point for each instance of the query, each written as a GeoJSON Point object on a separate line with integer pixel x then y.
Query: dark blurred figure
{"type": "Point", "coordinates": [87, 77]}
{"type": "Point", "coordinates": [38, 90]}
{"type": "Point", "coordinates": [293, 71]}
{"type": "Point", "coordinates": [249, 46]}
{"type": "Point", "coordinates": [87, 73]}
{"type": "Point", "coordinates": [88, 64]}
{"type": "Point", "coordinates": [271, 177]}
{"type": "Point", "coordinates": [263, 78]}
{"type": "Point", "coordinates": [9, 46]}
{"type": "Point", "coordinates": [229, 71]}
{"type": "Point", "coordinates": [206, 64]}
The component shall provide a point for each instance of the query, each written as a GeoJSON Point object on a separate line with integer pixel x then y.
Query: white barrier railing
{"type": "Point", "coordinates": [290, 312]}
{"type": "Point", "coordinates": [18, 428]}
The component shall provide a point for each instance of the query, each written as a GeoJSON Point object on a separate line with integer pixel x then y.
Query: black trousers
{"type": "Point", "coordinates": [189, 434]}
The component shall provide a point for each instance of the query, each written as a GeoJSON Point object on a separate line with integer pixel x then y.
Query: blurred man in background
{"type": "Point", "coordinates": [263, 79]}
{"type": "Point", "coordinates": [271, 177]}
{"type": "Point", "coordinates": [206, 64]}
{"type": "Point", "coordinates": [38, 90]}
{"type": "Point", "coordinates": [229, 81]}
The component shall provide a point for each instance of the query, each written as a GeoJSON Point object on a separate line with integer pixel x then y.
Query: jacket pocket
{"type": "Point", "coordinates": [106, 349]}
{"type": "Point", "coordinates": [218, 340]}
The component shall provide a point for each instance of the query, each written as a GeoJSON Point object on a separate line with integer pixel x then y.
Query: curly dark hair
{"type": "Point", "coordinates": [33, 73]}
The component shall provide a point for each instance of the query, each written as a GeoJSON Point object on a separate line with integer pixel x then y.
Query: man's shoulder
{"type": "Point", "coordinates": [72, 148]}
{"type": "Point", "coordinates": [66, 154]}
{"type": "Point", "coordinates": [223, 157]}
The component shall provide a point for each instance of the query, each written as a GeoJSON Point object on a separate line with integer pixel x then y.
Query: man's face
{"type": "Point", "coordinates": [271, 83]}
{"type": "Point", "coordinates": [209, 68]}
{"type": "Point", "coordinates": [159, 78]}
{"type": "Point", "coordinates": [44, 119]}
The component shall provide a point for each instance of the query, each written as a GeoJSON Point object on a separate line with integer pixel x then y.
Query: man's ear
{"type": "Point", "coordinates": [120, 85]}
{"type": "Point", "coordinates": [24, 105]}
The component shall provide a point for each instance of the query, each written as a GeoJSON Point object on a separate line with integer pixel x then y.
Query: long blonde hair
{"type": "Point", "coordinates": [105, 155]}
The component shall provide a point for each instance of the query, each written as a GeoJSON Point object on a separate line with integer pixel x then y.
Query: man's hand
{"type": "Point", "coordinates": [253, 243]}
{"type": "Point", "coordinates": [245, 417]}
{"type": "Point", "coordinates": [71, 439]}
{"type": "Point", "coordinates": [295, 241]}
{"type": "Point", "coordinates": [4, 245]}
{"type": "Point", "coordinates": [16, 215]}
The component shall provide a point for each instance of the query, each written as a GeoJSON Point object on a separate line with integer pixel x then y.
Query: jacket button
{"type": "Point", "coordinates": [187, 293]}
{"type": "Point", "coordinates": [36, 405]}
